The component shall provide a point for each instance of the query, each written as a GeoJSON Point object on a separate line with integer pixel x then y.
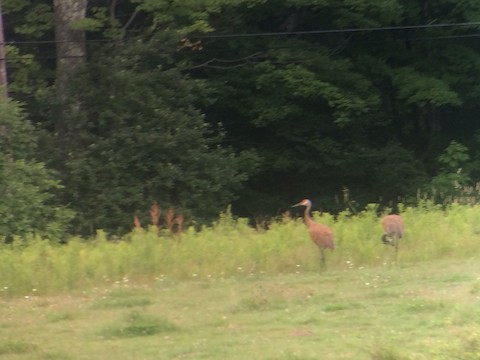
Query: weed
{"type": "Point", "coordinates": [260, 302]}
{"type": "Point", "coordinates": [423, 306]}
{"type": "Point", "coordinates": [122, 298]}
{"type": "Point", "coordinates": [475, 289]}
{"type": "Point", "coordinates": [60, 316]}
{"type": "Point", "coordinates": [55, 356]}
{"type": "Point", "coordinates": [122, 303]}
{"type": "Point", "coordinates": [328, 316]}
{"type": "Point", "coordinates": [465, 316]}
{"type": "Point", "coordinates": [294, 356]}
{"type": "Point", "coordinates": [383, 352]}
{"type": "Point", "coordinates": [341, 306]}
{"type": "Point", "coordinates": [155, 214]}
{"type": "Point", "coordinates": [467, 348]}
{"type": "Point", "coordinates": [232, 248]}
{"type": "Point", "coordinates": [16, 347]}
{"type": "Point", "coordinates": [139, 324]}
{"type": "Point", "coordinates": [458, 278]}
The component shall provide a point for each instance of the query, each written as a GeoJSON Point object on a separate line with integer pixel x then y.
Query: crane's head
{"type": "Point", "coordinates": [304, 202]}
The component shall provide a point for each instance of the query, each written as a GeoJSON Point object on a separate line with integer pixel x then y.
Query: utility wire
{"type": "Point", "coordinates": [422, 38]}
{"type": "Point", "coordinates": [283, 33]}
{"type": "Point", "coordinates": [13, 42]}
{"type": "Point", "coordinates": [425, 38]}
{"type": "Point", "coordinates": [335, 31]}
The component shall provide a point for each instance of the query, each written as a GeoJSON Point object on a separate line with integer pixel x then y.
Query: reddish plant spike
{"type": "Point", "coordinates": [169, 219]}
{"type": "Point", "coordinates": [154, 214]}
{"type": "Point", "coordinates": [179, 221]}
{"type": "Point", "coordinates": [136, 222]}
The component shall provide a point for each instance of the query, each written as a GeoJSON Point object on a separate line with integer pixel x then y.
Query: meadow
{"type": "Point", "coordinates": [237, 292]}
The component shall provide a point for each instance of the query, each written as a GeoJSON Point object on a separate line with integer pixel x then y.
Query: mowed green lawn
{"type": "Point", "coordinates": [428, 310]}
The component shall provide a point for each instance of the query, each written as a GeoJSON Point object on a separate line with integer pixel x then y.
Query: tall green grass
{"type": "Point", "coordinates": [233, 248]}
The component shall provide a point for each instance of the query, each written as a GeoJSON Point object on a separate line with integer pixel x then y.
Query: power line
{"type": "Point", "coordinates": [282, 33]}
{"type": "Point", "coordinates": [423, 38]}
{"type": "Point", "coordinates": [336, 31]}
{"type": "Point", "coordinates": [14, 42]}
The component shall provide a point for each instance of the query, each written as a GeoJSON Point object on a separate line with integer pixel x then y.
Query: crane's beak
{"type": "Point", "coordinates": [299, 204]}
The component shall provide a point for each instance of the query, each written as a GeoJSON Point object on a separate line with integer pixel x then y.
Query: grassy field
{"type": "Point", "coordinates": [234, 292]}
{"type": "Point", "coordinates": [422, 311]}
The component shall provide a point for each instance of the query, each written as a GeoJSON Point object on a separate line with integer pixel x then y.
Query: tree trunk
{"type": "Point", "coordinates": [3, 61]}
{"type": "Point", "coordinates": [70, 48]}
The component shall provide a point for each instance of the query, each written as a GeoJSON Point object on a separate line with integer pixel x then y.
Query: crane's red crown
{"type": "Point", "coordinates": [304, 202]}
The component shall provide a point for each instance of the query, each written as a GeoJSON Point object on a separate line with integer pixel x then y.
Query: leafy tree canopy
{"type": "Point", "coordinates": [28, 188]}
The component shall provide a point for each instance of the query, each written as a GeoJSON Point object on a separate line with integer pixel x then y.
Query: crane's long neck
{"type": "Point", "coordinates": [306, 215]}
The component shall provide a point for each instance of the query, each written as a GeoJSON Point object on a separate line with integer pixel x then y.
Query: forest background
{"type": "Point", "coordinates": [202, 104]}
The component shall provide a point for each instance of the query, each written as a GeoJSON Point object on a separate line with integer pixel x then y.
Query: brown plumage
{"type": "Point", "coordinates": [319, 233]}
{"type": "Point", "coordinates": [392, 230]}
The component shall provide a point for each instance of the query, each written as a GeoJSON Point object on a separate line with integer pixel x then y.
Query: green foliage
{"type": "Point", "coordinates": [27, 189]}
{"type": "Point", "coordinates": [14, 5]}
{"type": "Point", "coordinates": [26, 185]}
{"type": "Point", "coordinates": [28, 33]}
{"type": "Point", "coordinates": [25, 74]}
{"type": "Point", "coordinates": [452, 178]}
{"type": "Point", "coordinates": [140, 324]}
{"type": "Point", "coordinates": [305, 113]}
{"type": "Point", "coordinates": [293, 84]}
{"type": "Point", "coordinates": [465, 349]}
{"type": "Point", "coordinates": [231, 248]}
{"type": "Point", "coordinates": [388, 353]}
{"type": "Point", "coordinates": [38, 20]}
{"type": "Point", "coordinates": [87, 24]}
{"type": "Point", "coordinates": [16, 347]}
{"type": "Point", "coordinates": [422, 90]}
{"type": "Point", "coordinates": [455, 156]}
{"type": "Point", "coordinates": [358, 312]}
{"type": "Point", "coordinates": [325, 107]}
{"type": "Point", "coordinates": [142, 139]}
{"type": "Point", "coordinates": [394, 162]}
{"type": "Point", "coordinates": [126, 303]}
{"type": "Point", "coordinates": [122, 298]}
{"type": "Point", "coordinates": [179, 19]}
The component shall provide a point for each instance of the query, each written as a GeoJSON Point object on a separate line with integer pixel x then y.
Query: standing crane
{"type": "Point", "coordinates": [319, 233]}
{"type": "Point", "coordinates": [392, 230]}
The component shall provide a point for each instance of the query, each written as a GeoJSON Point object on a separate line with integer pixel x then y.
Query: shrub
{"type": "Point", "coordinates": [27, 186]}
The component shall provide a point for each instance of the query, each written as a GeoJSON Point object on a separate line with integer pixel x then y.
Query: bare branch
{"type": "Point", "coordinates": [130, 20]}
{"type": "Point", "coordinates": [111, 10]}
{"type": "Point", "coordinates": [243, 61]}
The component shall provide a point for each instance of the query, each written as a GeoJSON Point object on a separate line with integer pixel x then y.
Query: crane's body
{"type": "Point", "coordinates": [320, 234]}
{"type": "Point", "coordinates": [392, 230]}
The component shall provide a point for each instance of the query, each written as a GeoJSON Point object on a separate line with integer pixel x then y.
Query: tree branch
{"type": "Point", "coordinates": [130, 20]}
{"type": "Point", "coordinates": [209, 62]}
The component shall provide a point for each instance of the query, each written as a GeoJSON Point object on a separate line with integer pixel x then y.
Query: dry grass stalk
{"type": "Point", "coordinates": [155, 214]}
{"type": "Point", "coordinates": [136, 222]}
{"type": "Point", "coordinates": [286, 216]}
{"type": "Point", "coordinates": [169, 219]}
{"type": "Point", "coordinates": [179, 221]}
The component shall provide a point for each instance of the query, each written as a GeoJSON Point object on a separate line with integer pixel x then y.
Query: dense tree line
{"type": "Point", "coordinates": [198, 104]}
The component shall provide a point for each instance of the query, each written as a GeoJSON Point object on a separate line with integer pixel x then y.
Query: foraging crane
{"type": "Point", "coordinates": [392, 230]}
{"type": "Point", "coordinates": [319, 233]}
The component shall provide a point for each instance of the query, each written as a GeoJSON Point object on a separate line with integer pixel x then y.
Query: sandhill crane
{"type": "Point", "coordinates": [319, 233]}
{"type": "Point", "coordinates": [392, 230]}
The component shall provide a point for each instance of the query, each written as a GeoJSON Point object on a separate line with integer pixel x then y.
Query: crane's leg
{"type": "Point", "coordinates": [395, 239]}
{"type": "Point", "coordinates": [322, 258]}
